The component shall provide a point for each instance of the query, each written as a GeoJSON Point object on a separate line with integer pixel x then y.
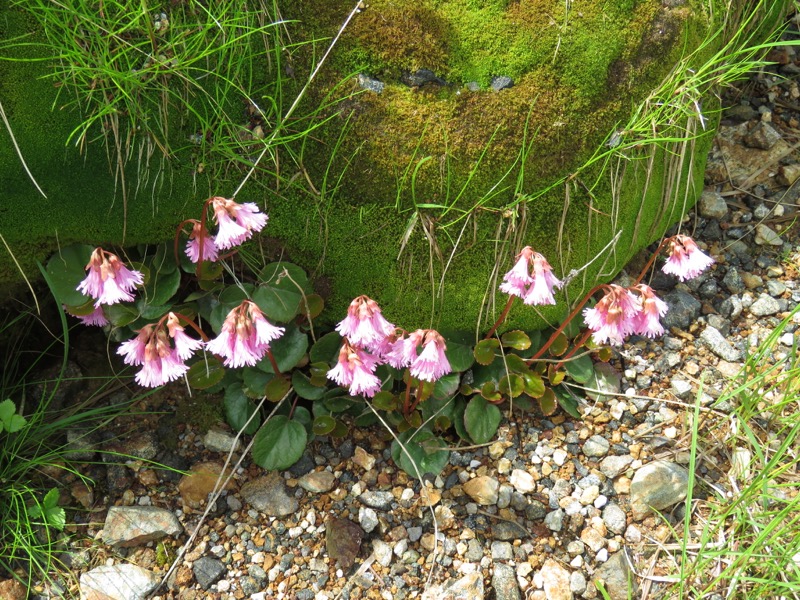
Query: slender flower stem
{"type": "Point", "coordinates": [178, 231]}
{"type": "Point", "coordinates": [651, 261]}
{"type": "Point", "coordinates": [188, 322]}
{"type": "Point", "coordinates": [566, 322]}
{"type": "Point", "coordinates": [407, 400]}
{"type": "Point", "coordinates": [575, 347]}
{"type": "Point", "coordinates": [501, 318]}
{"type": "Point", "coordinates": [272, 362]}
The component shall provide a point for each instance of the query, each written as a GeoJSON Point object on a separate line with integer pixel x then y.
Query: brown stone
{"type": "Point", "coordinates": [199, 482]}
{"type": "Point", "coordinates": [11, 589]}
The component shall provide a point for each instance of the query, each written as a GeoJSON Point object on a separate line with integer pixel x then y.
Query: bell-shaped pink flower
{"type": "Point", "coordinates": [536, 289]}
{"type": "Point", "coordinates": [245, 336]}
{"type": "Point", "coordinates": [365, 326]}
{"type": "Point", "coordinates": [612, 317]}
{"type": "Point", "coordinates": [109, 281]}
{"type": "Point", "coordinates": [200, 238]}
{"type": "Point", "coordinates": [185, 346]}
{"type": "Point", "coordinates": [355, 370]}
{"type": "Point", "coordinates": [150, 349]}
{"type": "Point", "coordinates": [646, 322]}
{"type": "Point", "coordinates": [686, 260]}
{"type": "Point", "coordinates": [431, 363]}
{"type": "Point", "coordinates": [403, 350]}
{"type": "Point", "coordinates": [96, 317]}
{"type": "Point", "coordinates": [237, 222]}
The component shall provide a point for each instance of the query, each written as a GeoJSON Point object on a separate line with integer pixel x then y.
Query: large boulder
{"type": "Point", "coordinates": [438, 139]}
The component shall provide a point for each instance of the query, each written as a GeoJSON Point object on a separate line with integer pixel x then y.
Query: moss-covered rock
{"type": "Point", "coordinates": [418, 195]}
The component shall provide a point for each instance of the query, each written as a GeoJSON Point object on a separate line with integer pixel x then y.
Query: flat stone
{"type": "Point", "coordinates": [483, 489]}
{"type": "Point", "coordinates": [128, 526]}
{"type": "Point", "coordinates": [379, 500]}
{"type": "Point", "coordinates": [712, 205]}
{"type": "Point", "coordinates": [765, 236]}
{"type": "Point", "coordinates": [522, 481]}
{"type": "Point", "coordinates": [555, 578]}
{"type": "Point", "coordinates": [616, 577]}
{"type": "Point", "coordinates": [719, 345]}
{"type": "Point", "coordinates": [683, 310]}
{"type": "Point", "coordinates": [268, 495]}
{"type": "Point", "coordinates": [367, 518]}
{"type": "Point", "coordinates": [763, 136]}
{"type": "Point", "coordinates": [219, 440]}
{"type": "Point", "coordinates": [596, 446]}
{"type": "Point", "coordinates": [612, 466]}
{"type": "Point", "coordinates": [363, 459]}
{"type": "Point", "coordinates": [11, 589]}
{"type": "Point", "coordinates": [764, 306]}
{"type": "Point", "coordinates": [504, 583]}
{"type": "Point", "coordinates": [615, 518]}
{"type": "Point", "coordinates": [656, 486]}
{"type": "Point", "coordinates": [317, 482]}
{"type": "Point", "coordinates": [208, 571]}
{"type": "Point", "coordinates": [117, 582]}
{"type": "Point", "coordinates": [468, 587]}
{"type": "Point", "coordinates": [199, 482]}
{"type": "Point", "coordinates": [554, 520]}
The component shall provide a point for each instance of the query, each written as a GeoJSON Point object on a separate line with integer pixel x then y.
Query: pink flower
{"type": "Point", "coordinates": [646, 321]}
{"type": "Point", "coordinates": [151, 349]}
{"type": "Point", "coordinates": [404, 350]}
{"type": "Point", "coordinates": [109, 281]}
{"type": "Point", "coordinates": [201, 238]}
{"type": "Point", "coordinates": [355, 370]}
{"type": "Point", "coordinates": [96, 317]}
{"type": "Point", "coordinates": [365, 326]}
{"type": "Point", "coordinates": [533, 289]}
{"type": "Point", "coordinates": [245, 336]}
{"type": "Point", "coordinates": [431, 364]}
{"type": "Point", "coordinates": [184, 345]}
{"type": "Point", "coordinates": [612, 317]}
{"type": "Point", "coordinates": [686, 260]}
{"type": "Point", "coordinates": [237, 222]}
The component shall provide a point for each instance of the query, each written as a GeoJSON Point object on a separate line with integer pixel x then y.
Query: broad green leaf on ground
{"type": "Point", "coordinates": [287, 276]}
{"type": "Point", "coordinates": [481, 419]}
{"type": "Point", "coordinates": [66, 269]}
{"type": "Point", "coordinates": [326, 348]}
{"type": "Point", "coordinates": [279, 305]}
{"type": "Point", "coordinates": [428, 452]}
{"type": "Point", "coordinates": [238, 408]}
{"type": "Point", "coordinates": [304, 388]}
{"type": "Point", "coordinates": [323, 425]}
{"type": "Point", "coordinates": [205, 373]}
{"type": "Point", "coordinates": [485, 351]}
{"type": "Point", "coordinates": [279, 443]}
{"type": "Point", "coordinates": [580, 369]}
{"type": "Point", "coordinates": [459, 356]}
{"type": "Point", "coordinates": [287, 350]}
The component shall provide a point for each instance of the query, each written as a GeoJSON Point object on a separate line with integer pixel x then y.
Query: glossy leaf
{"type": "Point", "coordinates": [277, 304]}
{"type": "Point", "coordinates": [209, 271]}
{"type": "Point", "coordinates": [304, 388]}
{"type": "Point", "coordinates": [604, 379]}
{"type": "Point", "coordinates": [277, 388]}
{"type": "Point", "coordinates": [65, 270]}
{"type": "Point", "coordinates": [489, 392]}
{"type": "Point", "coordinates": [459, 356]}
{"type": "Point", "coordinates": [385, 400]}
{"type": "Point", "coordinates": [120, 314]}
{"type": "Point", "coordinates": [238, 408]}
{"type": "Point", "coordinates": [255, 381]}
{"type": "Point", "coordinates": [518, 340]}
{"type": "Point", "coordinates": [481, 420]}
{"type": "Point", "coordinates": [559, 345]}
{"type": "Point", "coordinates": [303, 416]}
{"type": "Point", "coordinates": [425, 453]}
{"type": "Point", "coordinates": [511, 385]}
{"type": "Point", "coordinates": [580, 369]}
{"type": "Point", "coordinates": [516, 364]}
{"type": "Point", "coordinates": [568, 401]}
{"type": "Point", "coordinates": [326, 348]}
{"type": "Point", "coordinates": [287, 276]}
{"type": "Point", "coordinates": [279, 443]}
{"type": "Point", "coordinates": [555, 376]}
{"type": "Point", "coordinates": [548, 402]}
{"type": "Point", "coordinates": [288, 350]}
{"type": "Point", "coordinates": [459, 407]}
{"type": "Point", "coordinates": [485, 351]}
{"type": "Point", "coordinates": [312, 306]}
{"type": "Point", "coordinates": [534, 384]}
{"type": "Point", "coordinates": [447, 386]}
{"type": "Point", "coordinates": [205, 373]}
{"type": "Point", "coordinates": [233, 295]}
{"type": "Point", "coordinates": [161, 287]}
{"type": "Point", "coordinates": [340, 430]}
{"type": "Point", "coordinates": [323, 425]}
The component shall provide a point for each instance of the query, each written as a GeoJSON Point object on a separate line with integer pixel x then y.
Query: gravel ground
{"type": "Point", "coordinates": [541, 513]}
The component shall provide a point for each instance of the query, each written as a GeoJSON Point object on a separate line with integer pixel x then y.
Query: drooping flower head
{"type": "Point", "coordinates": [237, 222]}
{"type": "Point", "coordinates": [612, 317]}
{"type": "Point", "coordinates": [200, 238]}
{"type": "Point", "coordinates": [686, 260]}
{"type": "Point", "coordinates": [536, 289]}
{"type": "Point", "coordinates": [365, 326]}
{"type": "Point", "coordinates": [403, 350]}
{"type": "Point", "coordinates": [185, 346]}
{"type": "Point", "coordinates": [96, 317]}
{"type": "Point", "coordinates": [355, 370]}
{"type": "Point", "coordinates": [245, 336]}
{"type": "Point", "coordinates": [151, 349]}
{"type": "Point", "coordinates": [646, 322]}
{"type": "Point", "coordinates": [431, 363]}
{"type": "Point", "coordinates": [109, 281]}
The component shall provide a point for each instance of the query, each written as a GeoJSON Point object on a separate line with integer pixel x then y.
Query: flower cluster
{"type": "Point", "coordinates": [535, 289]}
{"type": "Point", "coordinates": [371, 340]}
{"type": "Point", "coordinates": [236, 224]}
{"type": "Point", "coordinates": [108, 281]}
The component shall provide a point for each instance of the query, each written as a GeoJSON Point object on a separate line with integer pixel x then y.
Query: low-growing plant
{"type": "Point", "coordinates": [256, 329]}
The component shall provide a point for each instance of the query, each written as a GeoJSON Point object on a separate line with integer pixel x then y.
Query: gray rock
{"type": "Point", "coordinates": [504, 583]}
{"type": "Point", "coordinates": [468, 587]}
{"type": "Point", "coordinates": [219, 440]}
{"type": "Point", "coordinates": [766, 236]}
{"type": "Point", "coordinates": [763, 136]}
{"type": "Point", "coordinates": [268, 495]}
{"type": "Point", "coordinates": [128, 526]}
{"type": "Point", "coordinates": [207, 571]}
{"type": "Point", "coordinates": [776, 288]}
{"type": "Point", "coordinates": [501, 82]}
{"type": "Point", "coordinates": [367, 518]}
{"type": "Point", "coordinates": [720, 346]}
{"type": "Point", "coordinates": [233, 502]}
{"type": "Point", "coordinates": [740, 112]}
{"type": "Point", "coordinates": [81, 444]}
{"type": "Point", "coordinates": [680, 387]}
{"type": "Point", "coordinates": [370, 84]}
{"type": "Point", "coordinates": [554, 520]}
{"type": "Point", "coordinates": [317, 482]}
{"type": "Point", "coordinates": [615, 518]}
{"type": "Point", "coordinates": [733, 282]}
{"type": "Point", "coordinates": [502, 551]}
{"type": "Point", "coordinates": [473, 86]}
{"type": "Point", "coordinates": [507, 530]}
{"type": "Point", "coordinates": [616, 578]}
{"type": "Point", "coordinates": [577, 583]}
{"type": "Point", "coordinates": [764, 306]}
{"type": "Point", "coordinates": [379, 500]}
{"type": "Point", "coordinates": [656, 486]}
{"type": "Point", "coordinates": [118, 582]}
{"type": "Point", "coordinates": [612, 466]}
{"type": "Point", "coordinates": [683, 309]}
{"type": "Point", "coordinates": [712, 205]}
{"type": "Point", "coordinates": [474, 551]}
{"type": "Point", "coordinates": [596, 446]}
{"type": "Point", "coordinates": [383, 552]}
{"type": "Point", "coordinates": [555, 578]}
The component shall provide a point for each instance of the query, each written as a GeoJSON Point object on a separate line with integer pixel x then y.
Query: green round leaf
{"type": "Point", "coordinates": [568, 401]}
{"type": "Point", "coordinates": [323, 425]}
{"type": "Point", "coordinates": [580, 369]}
{"type": "Point", "coordinates": [66, 269]}
{"type": "Point", "coordinates": [518, 340]}
{"type": "Point", "coordinates": [559, 345]}
{"type": "Point", "coordinates": [285, 275]}
{"type": "Point", "coordinates": [326, 348]}
{"type": "Point", "coordinates": [277, 304]}
{"type": "Point", "coordinates": [255, 381]}
{"type": "Point", "coordinates": [312, 306]}
{"type": "Point", "coordinates": [238, 408]}
{"type": "Point", "coordinates": [489, 392]}
{"type": "Point", "coordinates": [548, 402]}
{"type": "Point", "coordinates": [277, 388]}
{"type": "Point", "coordinates": [516, 364]}
{"type": "Point", "coordinates": [340, 430]}
{"type": "Point", "coordinates": [233, 295]}
{"type": "Point", "coordinates": [161, 287]}
{"type": "Point", "coordinates": [424, 452]}
{"type": "Point", "coordinates": [485, 351]}
{"type": "Point", "coordinates": [447, 386]}
{"type": "Point", "coordinates": [385, 400]}
{"type": "Point", "coordinates": [481, 420]}
{"type": "Point", "coordinates": [288, 350]}
{"type": "Point", "coordinates": [304, 388]}
{"type": "Point", "coordinates": [459, 356]}
{"type": "Point", "coordinates": [120, 314]}
{"type": "Point", "coordinates": [279, 443]}
{"type": "Point", "coordinates": [512, 385]}
{"type": "Point", "coordinates": [205, 373]}
{"type": "Point", "coordinates": [534, 384]}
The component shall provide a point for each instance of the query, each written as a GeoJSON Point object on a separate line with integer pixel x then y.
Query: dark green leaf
{"type": "Point", "coordinates": [279, 443]}
{"type": "Point", "coordinates": [515, 364]}
{"type": "Point", "coordinates": [205, 373]}
{"type": "Point", "coordinates": [518, 340]}
{"type": "Point", "coordinates": [459, 356]}
{"type": "Point", "coordinates": [580, 369]}
{"type": "Point", "coordinates": [255, 381]}
{"type": "Point", "coordinates": [534, 384]}
{"type": "Point", "coordinates": [484, 351]}
{"type": "Point", "coordinates": [66, 270]}
{"type": "Point", "coordinates": [447, 386]}
{"type": "Point", "coordinates": [238, 408]}
{"type": "Point", "coordinates": [323, 425]}
{"type": "Point", "coordinates": [161, 287]}
{"type": "Point", "coordinates": [559, 345]}
{"type": "Point", "coordinates": [120, 314]}
{"type": "Point", "coordinates": [511, 385]}
{"type": "Point", "coordinates": [277, 304]}
{"type": "Point", "coordinates": [326, 348]}
{"type": "Point", "coordinates": [303, 416]}
{"type": "Point", "coordinates": [233, 295]}
{"type": "Point", "coordinates": [286, 276]}
{"type": "Point", "coordinates": [548, 402]}
{"type": "Point", "coordinates": [287, 350]}
{"type": "Point", "coordinates": [150, 312]}
{"type": "Point", "coordinates": [304, 388]}
{"type": "Point", "coordinates": [489, 391]}
{"type": "Point", "coordinates": [277, 388]}
{"type": "Point", "coordinates": [481, 420]}
{"type": "Point", "coordinates": [568, 401]}
{"type": "Point", "coordinates": [459, 408]}
{"type": "Point", "coordinates": [312, 306]}
{"type": "Point", "coordinates": [385, 400]}
{"type": "Point", "coordinates": [340, 430]}
{"type": "Point", "coordinates": [424, 451]}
